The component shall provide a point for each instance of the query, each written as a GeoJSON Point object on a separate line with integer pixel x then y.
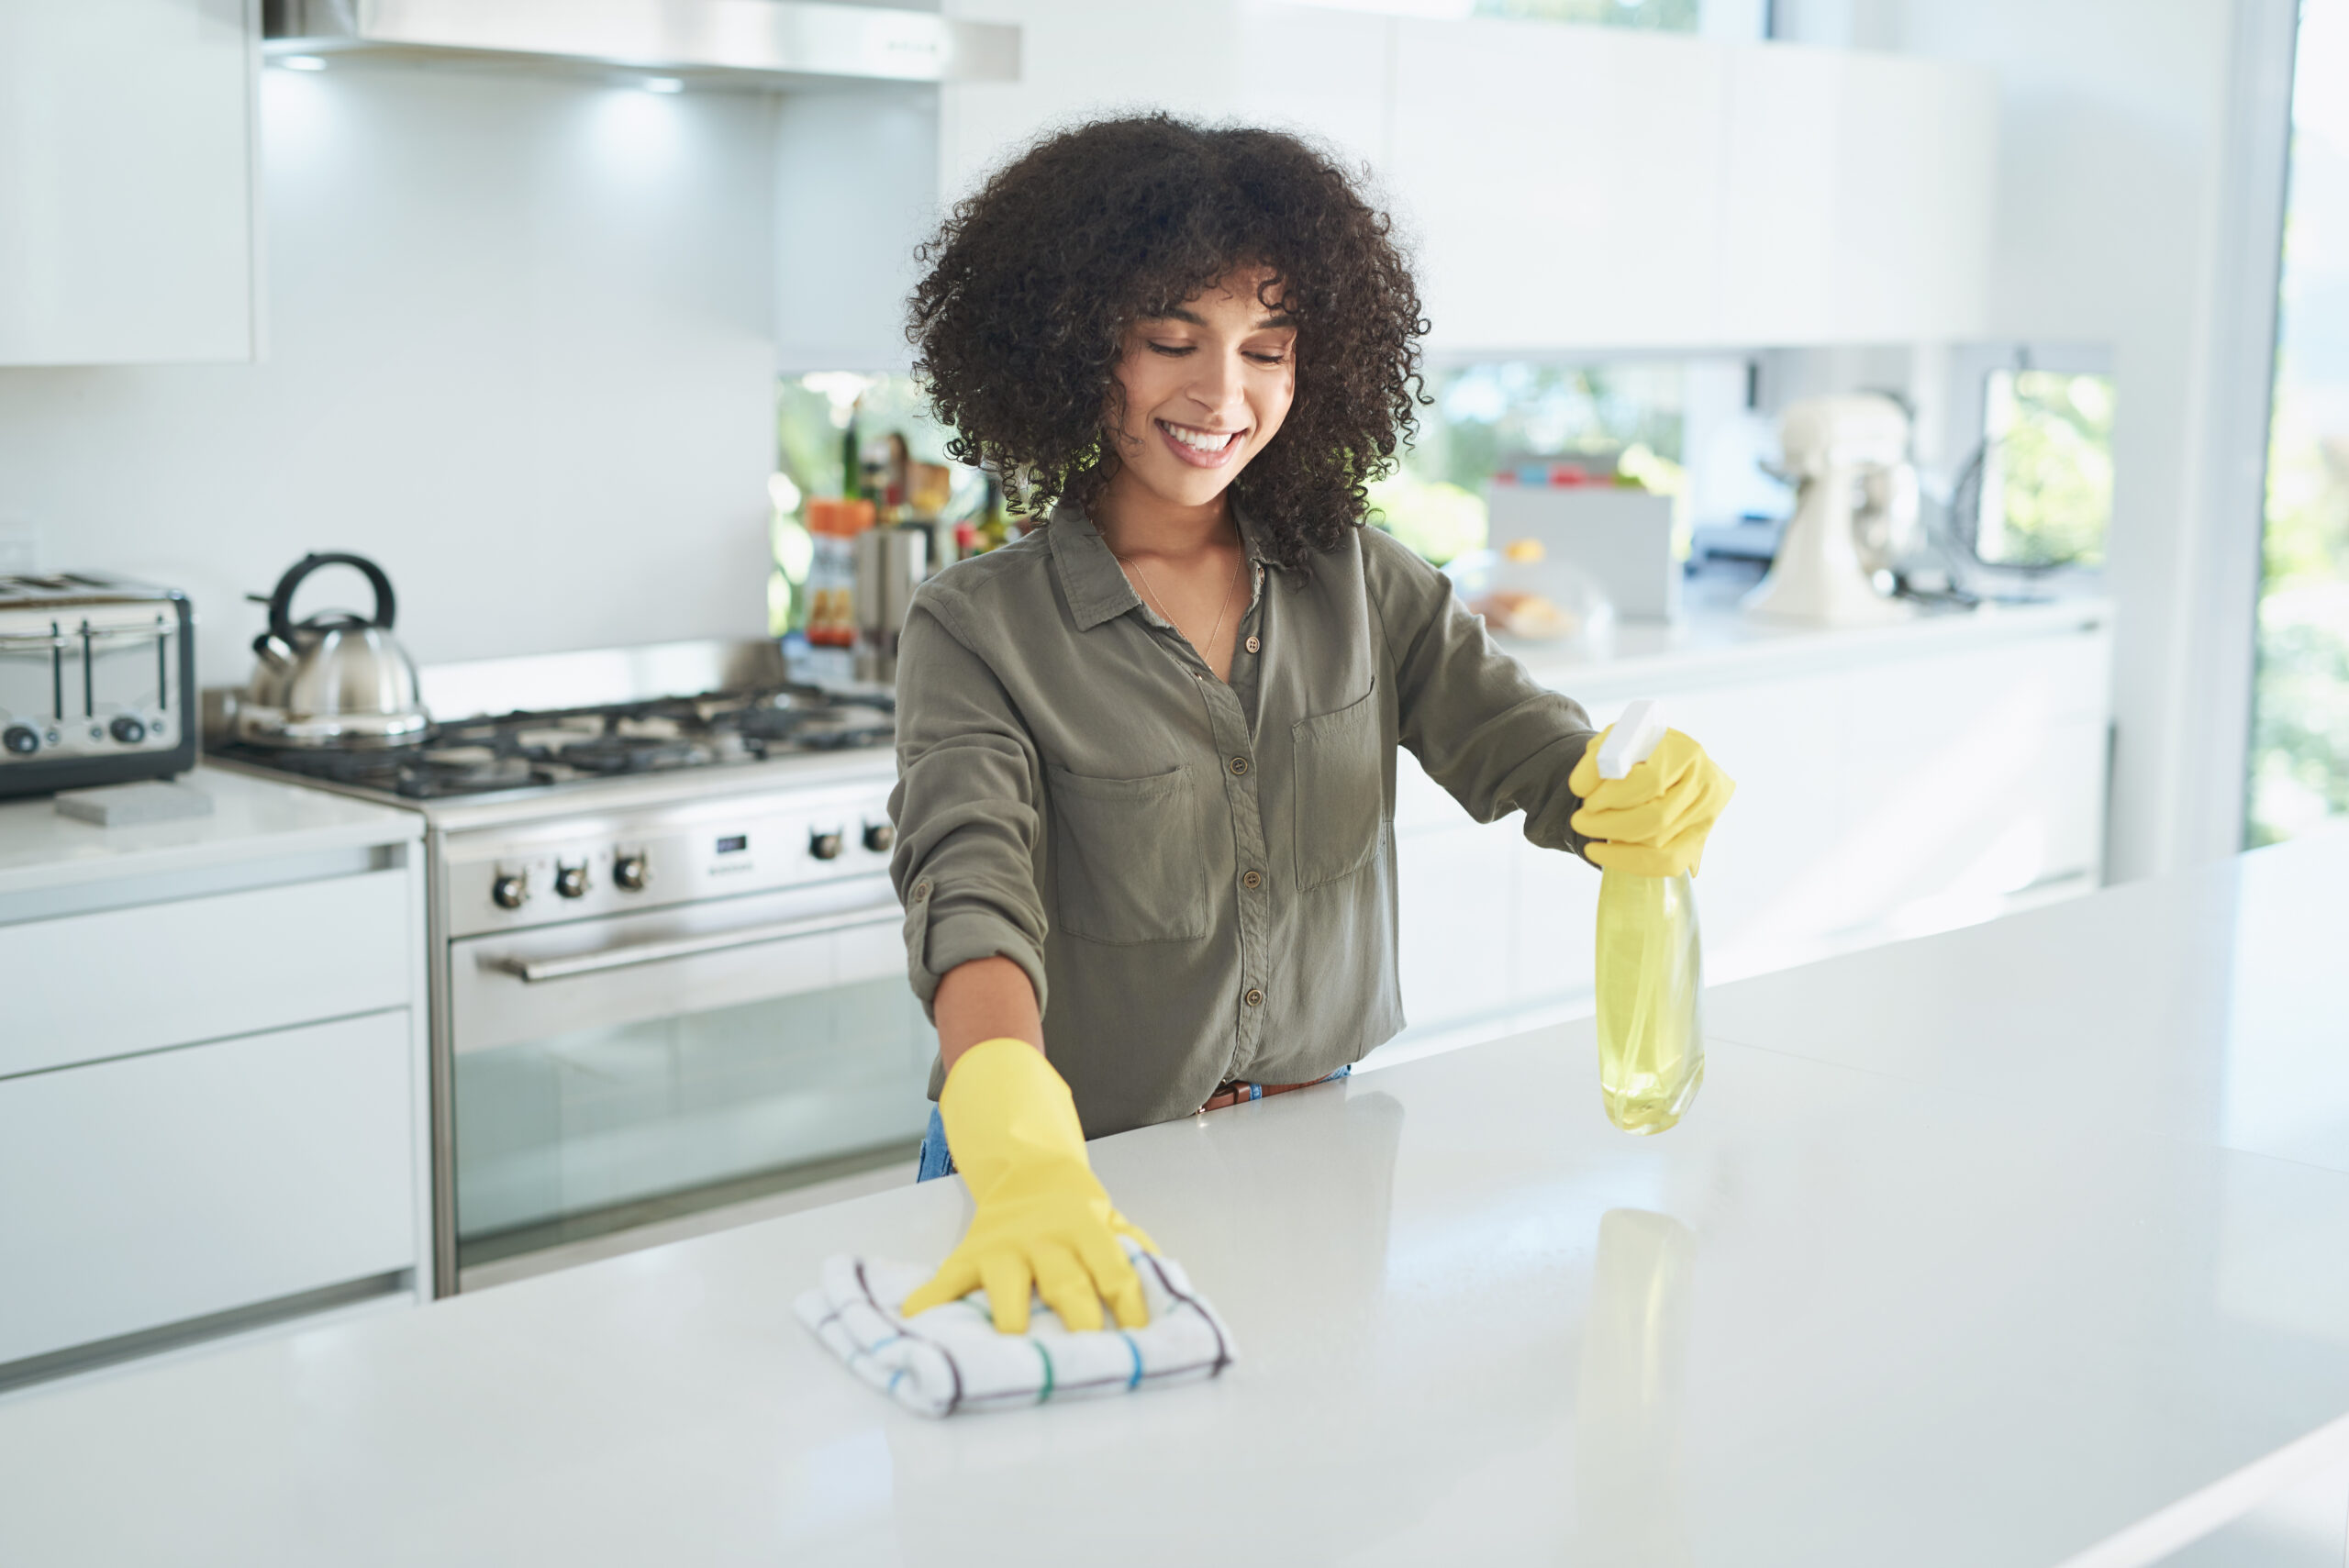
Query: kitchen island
{"type": "Point", "coordinates": [1850, 1312]}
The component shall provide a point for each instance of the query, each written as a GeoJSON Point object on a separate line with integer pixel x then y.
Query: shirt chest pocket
{"type": "Point", "coordinates": [1340, 791]}
{"type": "Point", "coordinates": [1126, 861]}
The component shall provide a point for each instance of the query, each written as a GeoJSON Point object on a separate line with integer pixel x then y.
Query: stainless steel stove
{"type": "Point", "coordinates": [665, 963]}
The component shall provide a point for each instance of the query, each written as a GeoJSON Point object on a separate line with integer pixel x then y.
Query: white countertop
{"type": "Point", "coordinates": [1714, 638]}
{"type": "Point", "coordinates": [251, 816]}
{"type": "Point", "coordinates": [2206, 1006]}
{"type": "Point", "coordinates": [1838, 1316]}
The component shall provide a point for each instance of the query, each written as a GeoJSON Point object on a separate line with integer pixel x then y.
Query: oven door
{"type": "Point", "coordinates": [614, 1072]}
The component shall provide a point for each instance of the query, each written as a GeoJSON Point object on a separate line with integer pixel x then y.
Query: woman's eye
{"type": "Point", "coordinates": [1273, 359]}
{"type": "Point", "coordinates": [1170, 349]}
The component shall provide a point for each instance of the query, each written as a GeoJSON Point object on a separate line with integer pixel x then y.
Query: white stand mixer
{"type": "Point", "coordinates": [1832, 444]}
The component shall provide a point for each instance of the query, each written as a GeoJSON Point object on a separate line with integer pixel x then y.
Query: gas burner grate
{"type": "Point", "coordinates": [628, 754]}
{"type": "Point", "coordinates": [546, 749]}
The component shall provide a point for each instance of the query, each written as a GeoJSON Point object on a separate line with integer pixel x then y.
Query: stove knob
{"type": "Point", "coordinates": [21, 739]}
{"type": "Point", "coordinates": [825, 846]}
{"type": "Point", "coordinates": [878, 837]}
{"type": "Point", "coordinates": [630, 873]}
{"type": "Point", "coordinates": [127, 730]}
{"type": "Point", "coordinates": [571, 882]}
{"type": "Point", "coordinates": [511, 890]}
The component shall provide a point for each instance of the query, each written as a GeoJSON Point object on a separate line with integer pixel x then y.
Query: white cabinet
{"type": "Point", "coordinates": [1562, 182]}
{"type": "Point", "coordinates": [1568, 188]}
{"type": "Point", "coordinates": [1913, 784]}
{"type": "Point", "coordinates": [1857, 195]}
{"type": "Point", "coordinates": [214, 1097]}
{"type": "Point", "coordinates": [87, 986]}
{"type": "Point", "coordinates": [1308, 68]}
{"type": "Point", "coordinates": [1585, 187]}
{"type": "Point", "coordinates": [127, 181]}
{"type": "Point", "coordinates": [153, 1189]}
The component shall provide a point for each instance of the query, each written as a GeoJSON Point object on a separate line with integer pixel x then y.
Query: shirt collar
{"type": "Point", "coordinates": [1090, 576]}
{"type": "Point", "coordinates": [1097, 586]}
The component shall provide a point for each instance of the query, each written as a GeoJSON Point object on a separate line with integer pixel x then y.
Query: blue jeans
{"type": "Point", "coordinates": [938, 1161]}
{"type": "Point", "coordinates": [935, 1160]}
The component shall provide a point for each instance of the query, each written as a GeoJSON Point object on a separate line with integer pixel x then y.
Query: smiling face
{"type": "Point", "coordinates": [1207, 387]}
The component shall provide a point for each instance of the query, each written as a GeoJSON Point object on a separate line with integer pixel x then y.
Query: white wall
{"type": "Point", "coordinates": [518, 350]}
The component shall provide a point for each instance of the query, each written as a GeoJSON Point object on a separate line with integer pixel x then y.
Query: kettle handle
{"type": "Point", "coordinates": [280, 599]}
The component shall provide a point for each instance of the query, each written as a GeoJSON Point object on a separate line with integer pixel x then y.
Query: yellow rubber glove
{"type": "Point", "coordinates": [1653, 820]}
{"type": "Point", "coordinates": [1042, 1219]}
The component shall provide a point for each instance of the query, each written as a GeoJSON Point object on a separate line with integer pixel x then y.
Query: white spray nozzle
{"type": "Point", "coordinates": [1634, 736]}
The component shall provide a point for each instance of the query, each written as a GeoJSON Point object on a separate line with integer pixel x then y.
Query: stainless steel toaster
{"type": "Point", "coordinates": [97, 682]}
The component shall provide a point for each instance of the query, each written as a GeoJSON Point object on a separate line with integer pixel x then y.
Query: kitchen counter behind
{"type": "Point", "coordinates": [40, 848]}
{"type": "Point", "coordinates": [1715, 641]}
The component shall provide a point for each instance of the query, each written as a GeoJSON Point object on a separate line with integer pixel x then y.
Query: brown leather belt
{"type": "Point", "coordinates": [1232, 1091]}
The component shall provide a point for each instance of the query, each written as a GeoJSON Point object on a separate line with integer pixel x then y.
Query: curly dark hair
{"type": "Point", "coordinates": [1019, 326]}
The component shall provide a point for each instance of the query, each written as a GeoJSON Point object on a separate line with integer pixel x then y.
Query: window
{"type": "Point", "coordinates": [2299, 744]}
{"type": "Point", "coordinates": [828, 421]}
{"type": "Point", "coordinates": [2046, 468]}
{"type": "Point", "coordinates": [1606, 423]}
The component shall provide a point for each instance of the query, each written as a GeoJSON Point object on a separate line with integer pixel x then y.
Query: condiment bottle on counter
{"type": "Point", "coordinates": [1650, 971]}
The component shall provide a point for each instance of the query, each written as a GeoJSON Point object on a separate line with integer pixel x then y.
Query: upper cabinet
{"type": "Point", "coordinates": [1856, 197]}
{"type": "Point", "coordinates": [1310, 68]}
{"type": "Point", "coordinates": [1562, 182]}
{"type": "Point", "coordinates": [1569, 188]}
{"type": "Point", "coordinates": [126, 182]}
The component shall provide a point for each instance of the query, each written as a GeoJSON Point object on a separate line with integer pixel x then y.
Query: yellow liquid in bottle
{"type": "Point", "coordinates": [1651, 1035]}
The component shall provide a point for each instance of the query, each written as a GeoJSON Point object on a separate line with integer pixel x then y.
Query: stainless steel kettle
{"type": "Point", "coordinates": [335, 678]}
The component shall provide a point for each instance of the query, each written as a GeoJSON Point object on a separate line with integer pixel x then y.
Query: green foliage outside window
{"type": "Point", "coordinates": [2299, 747]}
{"type": "Point", "coordinates": [1609, 418]}
{"type": "Point", "coordinates": [2047, 490]}
{"type": "Point", "coordinates": [2299, 742]}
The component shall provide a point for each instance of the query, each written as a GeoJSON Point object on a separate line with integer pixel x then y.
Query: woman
{"type": "Point", "coordinates": [1146, 754]}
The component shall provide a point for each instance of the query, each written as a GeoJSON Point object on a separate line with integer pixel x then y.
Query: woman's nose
{"type": "Point", "coordinates": [1218, 385]}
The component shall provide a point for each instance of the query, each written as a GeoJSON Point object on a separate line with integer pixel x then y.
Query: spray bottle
{"type": "Point", "coordinates": [1651, 969]}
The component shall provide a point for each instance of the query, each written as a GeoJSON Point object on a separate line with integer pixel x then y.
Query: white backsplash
{"type": "Point", "coordinates": [520, 352]}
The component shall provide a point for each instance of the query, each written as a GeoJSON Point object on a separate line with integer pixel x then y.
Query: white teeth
{"type": "Point", "coordinates": [1200, 440]}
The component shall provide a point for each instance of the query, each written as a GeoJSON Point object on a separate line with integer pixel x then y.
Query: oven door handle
{"type": "Point", "coordinates": [536, 971]}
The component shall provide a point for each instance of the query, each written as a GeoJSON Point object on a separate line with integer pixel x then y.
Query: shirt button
{"type": "Point", "coordinates": [921, 890]}
{"type": "Point", "coordinates": [1253, 645]}
{"type": "Point", "coordinates": [1254, 998]}
{"type": "Point", "coordinates": [1239, 767]}
{"type": "Point", "coordinates": [1253, 879]}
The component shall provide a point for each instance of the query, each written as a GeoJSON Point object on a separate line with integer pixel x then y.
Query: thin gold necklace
{"type": "Point", "coordinates": [1223, 606]}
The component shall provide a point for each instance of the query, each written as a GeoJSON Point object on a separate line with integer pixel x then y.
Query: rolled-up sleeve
{"type": "Point", "coordinates": [1495, 739]}
{"type": "Point", "coordinates": [964, 810]}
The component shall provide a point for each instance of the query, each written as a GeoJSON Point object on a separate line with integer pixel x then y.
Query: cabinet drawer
{"type": "Point", "coordinates": [85, 987]}
{"type": "Point", "coordinates": [168, 1186]}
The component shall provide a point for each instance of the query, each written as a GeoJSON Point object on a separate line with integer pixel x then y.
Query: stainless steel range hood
{"type": "Point", "coordinates": [745, 41]}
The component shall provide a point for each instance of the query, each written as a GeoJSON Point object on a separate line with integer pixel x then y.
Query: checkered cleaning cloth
{"type": "Point", "coordinates": [950, 1358]}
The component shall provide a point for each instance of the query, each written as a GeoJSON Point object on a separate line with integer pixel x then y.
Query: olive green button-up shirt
{"type": "Point", "coordinates": [1198, 877]}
